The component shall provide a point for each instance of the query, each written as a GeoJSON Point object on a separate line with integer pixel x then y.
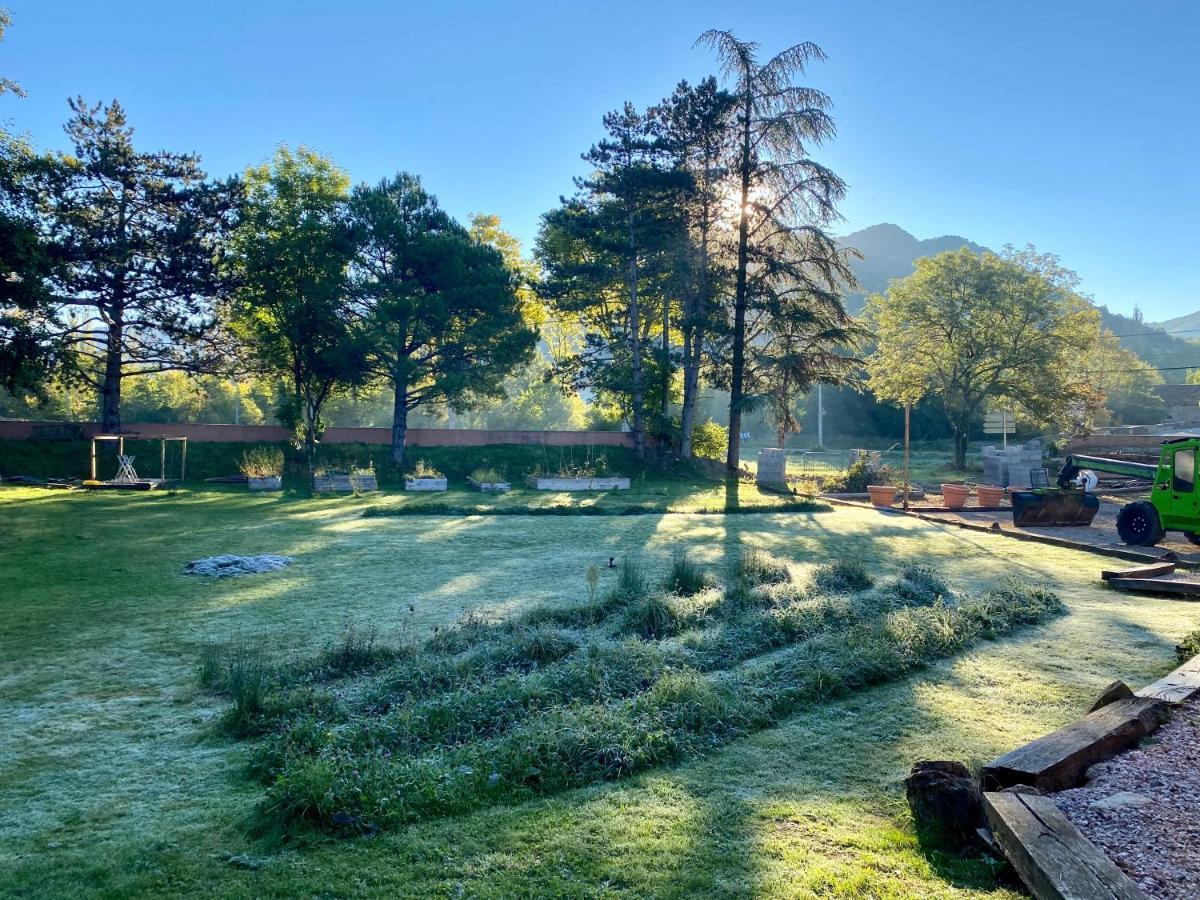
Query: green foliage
{"type": "Point", "coordinates": [443, 318]}
{"type": "Point", "coordinates": [971, 328]}
{"type": "Point", "coordinates": [423, 469]}
{"type": "Point", "coordinates": [709, 440]}
{"type": "Point", "coordinates": [650, 617]}
{"type": "Point", "coordinates": [261, 462]}
{"type": "Point", "coordinates": [291, 251]}
{"type": "Point", "coordinates": [1188, 646]}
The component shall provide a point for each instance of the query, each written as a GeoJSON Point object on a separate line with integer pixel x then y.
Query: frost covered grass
{"type": "Point", "coordinates": [121, 780]}
{"type": "Point", "coordinates": [526, 710]}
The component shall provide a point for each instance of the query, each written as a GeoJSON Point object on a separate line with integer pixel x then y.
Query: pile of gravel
{"type": "Point", "coordinates": [1140, 808]}
{"type": "Point", "coordinates": [224, 566]}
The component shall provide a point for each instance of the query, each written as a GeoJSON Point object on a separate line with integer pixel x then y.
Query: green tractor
{"type": "Point", "coordinates": [1174, 503]}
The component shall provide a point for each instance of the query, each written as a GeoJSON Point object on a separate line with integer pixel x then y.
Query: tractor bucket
{"type": "Point", "coordinates": [1049, 507]}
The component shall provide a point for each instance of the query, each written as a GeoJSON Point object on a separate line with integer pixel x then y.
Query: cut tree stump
{"type": "Point", "coordinates": [1054, 860]}
{"type": "Point", "coordinates": [1058, 760]}
{"type": "Point", "coordinates": [1182, 684]}
{"type": "Point", "coordinates": [1155, 571]}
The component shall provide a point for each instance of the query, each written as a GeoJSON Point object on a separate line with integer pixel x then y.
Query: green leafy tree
{"type": "Point", "coordinates": [694, 128]}
{"type": "Point", "coordinates": [784, 201]}
{"type": "Point", "coordinates": [971, 329]}
{"type": "Point", "coordinates": [442, 309]}
{"type": "Point", "coordinates": [1123, 386]}
{"type": "Point", "coordinates": [606, 256]}
{"type": "Point", "coordinates": [292, 251]}
{"type": "Point", "coordinates": [7, 85]}
{"type": "Point", "coordinates": [137, 235]}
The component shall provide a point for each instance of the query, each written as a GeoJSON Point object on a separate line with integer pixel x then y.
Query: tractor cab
{"type": "Point", "coordinates": [1174, 496]}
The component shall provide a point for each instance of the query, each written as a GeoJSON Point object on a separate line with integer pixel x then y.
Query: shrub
{"type": "Point", "coordinates": [486, 475]}
{"type": "Point", "coordinates": [1189, 646]}
{"type": "Point", "coordinates": [422, 469]}
{"type": "Point", "coordinates": [261, 462]}
{"type": "Point", "coordinates": [843, 576]}
{"type": "Point", "coordinates": [686, 576]}
{"type": "Point", "coordinates": [755, 567]}
{"type": "Point", "coordinates": [710, 440]}
{"type": "Point", "coordinates": [861, 473]}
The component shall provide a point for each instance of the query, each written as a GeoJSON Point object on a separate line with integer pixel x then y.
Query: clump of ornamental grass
{"type": "Point", "coordinates": [686, 577]}
{"type": "Point", "coordinates": [753, 567]}
{"type": "Point", "coordinates": [632, 581]}
{"type": "Point", "coordinates": [842, 576]}
{"type": "Point", "coordinates": [491, 712]}
{"type": "Point", "coordinates": [921, 585]}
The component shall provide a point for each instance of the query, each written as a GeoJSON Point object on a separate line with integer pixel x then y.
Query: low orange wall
{"type": "Point", "coordinates": [23, 430]}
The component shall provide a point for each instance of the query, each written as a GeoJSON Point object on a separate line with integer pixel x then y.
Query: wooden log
{"type": "Point", "coordinates": [1182, 684]}
{"type": "Point", "coordinates": [1154, 571]}
{"type": "Point", "coordinates": [1058, 760]}
{"type": "Point", "coordinates": [1054, 860]}
{"type": "Point", "coordinates": [1176, 586]}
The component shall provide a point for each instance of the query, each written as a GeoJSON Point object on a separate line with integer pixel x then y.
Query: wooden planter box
{"type": "Point", "coordinates": [566, 483]}
{"type": "Point", "coordinates": [490, 485]}
{"type": "Point", "coordinates": [343, 484]}
{"type": "Point", "coordinates": [266, 483]}
{"type": "Point", "coordinates": [425, 484]}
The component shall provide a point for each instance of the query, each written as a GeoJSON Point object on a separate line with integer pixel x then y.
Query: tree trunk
{"type": "Point", "coordinates": [110, 391]}
{"type": "Point", "coordinates": [738, 363]}
{"type": "Point", "coordinates": [960, 447]}
{"type": "Point", "coordinates": [635, 326]}
{"type": "Point", "coordinates": [311, 411]}
{"type": "Point", "coordinates": [691, 388]}
{"type": "Point", "coordinates": [666, 361]}
{"type": "Point", "coordinates": [399, 420]}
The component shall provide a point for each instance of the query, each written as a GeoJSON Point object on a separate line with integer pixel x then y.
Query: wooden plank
{"type": "Point", "coordinates": [1175, 586]}
{"type": "Point", "coordinates": [1154, 571]}
{"type": "Point", "coordinates": [1054, 860]}
{"type": "Point", "coordinates": [1058, 761]}
{"type": "Point", "coordinates": [1182, 684]}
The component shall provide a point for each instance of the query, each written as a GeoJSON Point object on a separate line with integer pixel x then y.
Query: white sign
{"type": "Point", "coordinates": [998, 423]}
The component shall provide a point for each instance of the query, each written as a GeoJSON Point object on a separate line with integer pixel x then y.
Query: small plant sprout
{"type": "Point", "coordinates": [593, 582]}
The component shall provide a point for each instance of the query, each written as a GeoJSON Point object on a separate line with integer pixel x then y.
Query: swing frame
{"type": "Point", "coordinates": [142, 483]}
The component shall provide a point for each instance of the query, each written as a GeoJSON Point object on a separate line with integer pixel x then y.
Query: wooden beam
{"type": "Point", "coordinates": [1058, 760]}
{"type": "Point", "coordinates": [1153, 571]}
{"type": "Point", "coordinates": [1054, 860]}
{"type": "Point", "coordinates": [1182, 684]}
{"type": "Point", "coordinates": [1177, 586]}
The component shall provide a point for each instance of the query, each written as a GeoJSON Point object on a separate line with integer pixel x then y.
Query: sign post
{"type": "Point", "coordinates": [1001, 423]}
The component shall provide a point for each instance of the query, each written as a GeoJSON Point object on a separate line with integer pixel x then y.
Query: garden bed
{"type": "Point", "coordinates": [569, 483]}
{"type": "Point", "coordinates": [486, 486]}
{"type": "Point", "coordinates": [343, 484]}
{"type": "Point", "coordinates": [425, 484]}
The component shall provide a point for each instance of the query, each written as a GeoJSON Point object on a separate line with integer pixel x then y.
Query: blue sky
{"type": "Point", "coordinates": [1073, 125]}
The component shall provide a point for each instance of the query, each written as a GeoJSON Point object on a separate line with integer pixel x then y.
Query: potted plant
{"type": "Point", "coordinates": [882, 495]}
{"type": "Point", "coordinates": [263, 468]}
{"type": "Point", "coordinates": [424, 477]}
{"type": "Point", "coordinates": [989, 494]}
{"type": "Point", "coordinates": [485, 478]}
{"type": "Point", "coordinates": [955, 495]}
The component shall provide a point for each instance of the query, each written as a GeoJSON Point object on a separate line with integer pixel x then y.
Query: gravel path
{"type": "Point", "coordinates": [1140, 808]}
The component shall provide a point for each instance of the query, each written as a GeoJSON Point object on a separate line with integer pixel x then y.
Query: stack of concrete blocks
{"type": "Point", "coordinates": [772, 468]}
{"type": "Point", "coordinates": [1017, 466]}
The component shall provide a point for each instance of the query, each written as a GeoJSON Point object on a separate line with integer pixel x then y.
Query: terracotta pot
{"type": "Point", "coordinates": [989, 495]}
{"type": "Point", "coordinates": [955, 495]}
{"type": "Point", "coordinates": [882, 495]}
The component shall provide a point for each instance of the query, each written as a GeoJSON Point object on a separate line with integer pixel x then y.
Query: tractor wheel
{"type": "Point", "coordinates": [1138, 524]}
{"type": "Point", "coordinates": [1193, 536]}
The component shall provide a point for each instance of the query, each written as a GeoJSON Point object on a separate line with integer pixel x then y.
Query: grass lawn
{"type": "Point", "coordinates": [116, 783]}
